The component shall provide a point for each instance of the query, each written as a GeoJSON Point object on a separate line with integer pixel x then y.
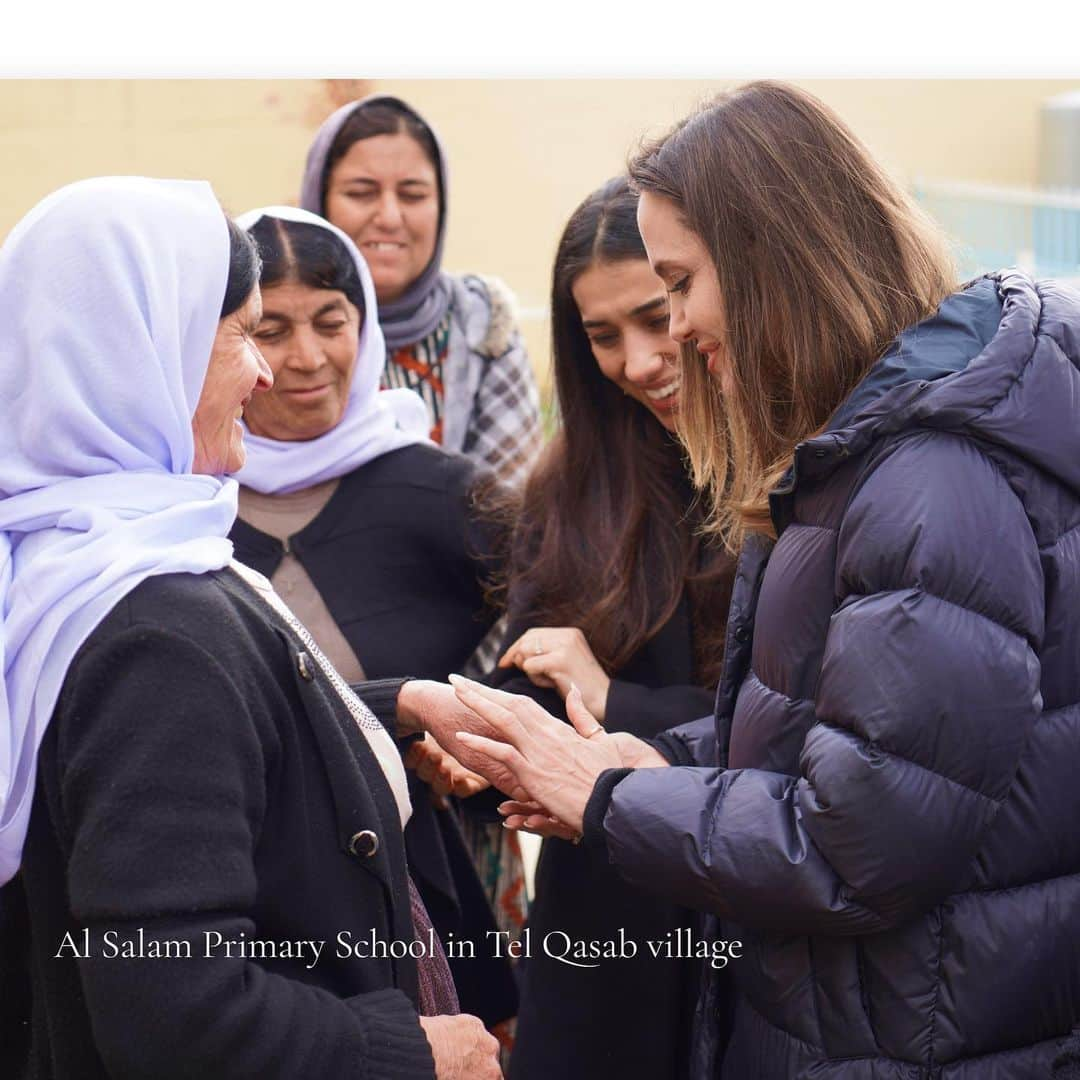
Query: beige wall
{"type": "Point", "coordinates": [522, 153]}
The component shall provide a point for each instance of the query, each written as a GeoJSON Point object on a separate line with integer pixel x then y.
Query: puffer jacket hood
{"type": "Point", "coordinates": [890, 823]}
{"type": "Point", "coordinates": [1018, 388]}
{"type": "Point", "coordinates": [971, 367]}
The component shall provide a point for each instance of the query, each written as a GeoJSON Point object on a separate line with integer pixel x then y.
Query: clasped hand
{"type": "Point", "coordinates": [442, 772]}
{"type": "Point", "coordinates": [548, 768]}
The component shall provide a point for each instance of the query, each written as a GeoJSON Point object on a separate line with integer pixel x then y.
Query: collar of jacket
{"type": "Point", "coordinates": [963, 370]}
{"type": "Point", "coordinates": [481, 329]}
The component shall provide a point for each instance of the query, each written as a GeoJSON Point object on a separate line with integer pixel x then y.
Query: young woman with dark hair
{"type": "Point", "coordinates": [608, 587]}
{"type": "Point", "coordinates": [886, 801]}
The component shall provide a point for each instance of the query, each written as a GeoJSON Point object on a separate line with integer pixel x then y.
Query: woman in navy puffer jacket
{"type": "Point", "coordinates": [891, 820]}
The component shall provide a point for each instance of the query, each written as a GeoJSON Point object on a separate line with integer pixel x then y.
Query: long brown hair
{"type": "Point", "coordinates": [821, 261]}
{"type": "Point", "coordinates": [608, 538]}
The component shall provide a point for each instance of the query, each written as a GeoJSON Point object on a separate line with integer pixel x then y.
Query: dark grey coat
{"type": "Point", "coordinates": [894, 826]}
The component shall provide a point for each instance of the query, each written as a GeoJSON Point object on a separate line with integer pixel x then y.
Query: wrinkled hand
{"type": "Point", "coordinates": [462, 1049]}
{"type": "Point", "coordinates": [434, 707]}
{"type": "Point", "coordinates": [555, 765]}
{"type": "Point", "coordinates": [635, 753]}
{"type": "Point", "coordinates": [442, 772]}
{"type": "Point", "coordinates": [533, 818]}
{"type": "Point", "coordinates": [560, 657]}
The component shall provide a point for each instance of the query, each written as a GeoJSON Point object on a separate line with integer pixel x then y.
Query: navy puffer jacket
{"type": "Point", "coordinates": [893, 828]}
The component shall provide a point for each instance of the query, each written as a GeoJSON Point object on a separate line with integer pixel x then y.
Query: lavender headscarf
{"type": "Point", "coordinates": [375, 421]}
{"type": "Point", "coordinates": [416, 313]}
{"type": "Point", "coordinates": [110, 297]}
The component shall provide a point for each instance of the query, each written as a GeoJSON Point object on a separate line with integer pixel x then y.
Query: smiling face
{"type": "Point", "coordinates": [235, 374]}
{"type": "Point", "coordinates": [624, 312]}
{"type": "Point", "coordinates": [384, 193]}
{"type": "Point", "coordinates": [683, 264]}
{"type": "Point", "coordinates": [309, 338]}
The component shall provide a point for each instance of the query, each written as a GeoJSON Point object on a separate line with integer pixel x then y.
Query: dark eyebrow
{"type": "Point", "coordinates": [332, 305]}
{"type": "Point", "coordinates": [411, 181]}
{"type": "Point", "coordinates": [329, 306]}
{"type": "Point", "coordinates": [641, 309]}
{"type": "Point", "coordinates": [649, 305]}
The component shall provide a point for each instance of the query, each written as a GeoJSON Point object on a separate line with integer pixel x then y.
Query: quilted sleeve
{"type": "Point", "coordinates": [927, 694]}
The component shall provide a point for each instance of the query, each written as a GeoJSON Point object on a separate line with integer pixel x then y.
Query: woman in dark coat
{"type": "Point", "coordinates": [197, 817]}
{"type": "Point", "coordinates": [611, 589]}
{"type": "Point", "coordinates": [371, 533]}
{"type": "Point", "coordinates": [883, 813]}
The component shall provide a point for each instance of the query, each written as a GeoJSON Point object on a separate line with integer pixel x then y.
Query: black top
{"type": "Point", "coordinates": [628, 1018]}
{"type": "Point", "coordinates": [201, 777]}
{"type": "Point", "coordinates": [399, 555]}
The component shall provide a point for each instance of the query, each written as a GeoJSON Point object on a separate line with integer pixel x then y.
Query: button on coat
{"type": "Point", "coordinates": [364, 843]}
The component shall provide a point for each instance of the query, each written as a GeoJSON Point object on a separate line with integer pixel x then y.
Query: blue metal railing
{"type": "Point", "coordinates": [998, 226]}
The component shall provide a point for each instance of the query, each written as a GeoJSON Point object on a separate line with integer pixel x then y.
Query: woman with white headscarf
{"type": "Point", "coordinates": [195, 811]}
{"type": "Point", "coordinates": [375, 537]}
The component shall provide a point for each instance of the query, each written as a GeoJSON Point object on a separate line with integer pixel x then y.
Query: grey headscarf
{"type": "Point", "coordinates": [416, 313]}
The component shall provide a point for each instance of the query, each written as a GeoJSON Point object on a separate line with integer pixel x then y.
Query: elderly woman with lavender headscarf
{"type": "Point", "coordinates": [198, 818]}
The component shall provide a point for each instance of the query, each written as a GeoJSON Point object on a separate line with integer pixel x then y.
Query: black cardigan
{"type": "Point", "coordinates": [400, 555]}
{"type": "Point", "coordinates": [201, 777]}
{"type": "Point", "coordinates": [627, 1018]}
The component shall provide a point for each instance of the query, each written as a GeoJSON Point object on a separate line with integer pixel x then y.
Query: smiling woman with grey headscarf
{"type": "Point", "coordinates": [378, 171]}
{"type": "Point", "coordinates": [195, 811]}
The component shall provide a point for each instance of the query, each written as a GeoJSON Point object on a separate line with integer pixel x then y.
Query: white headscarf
{"type": "Point", "coordinates": [110, 296]}
{"type": "Point", "coordinates": [375, 421]}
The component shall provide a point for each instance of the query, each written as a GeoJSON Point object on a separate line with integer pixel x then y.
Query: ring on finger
{"type": "Point", "coordinates": [538, 649]}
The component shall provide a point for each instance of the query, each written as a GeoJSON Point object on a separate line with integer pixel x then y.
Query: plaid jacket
{"type": "Point", "coordinates": [491, 404]}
